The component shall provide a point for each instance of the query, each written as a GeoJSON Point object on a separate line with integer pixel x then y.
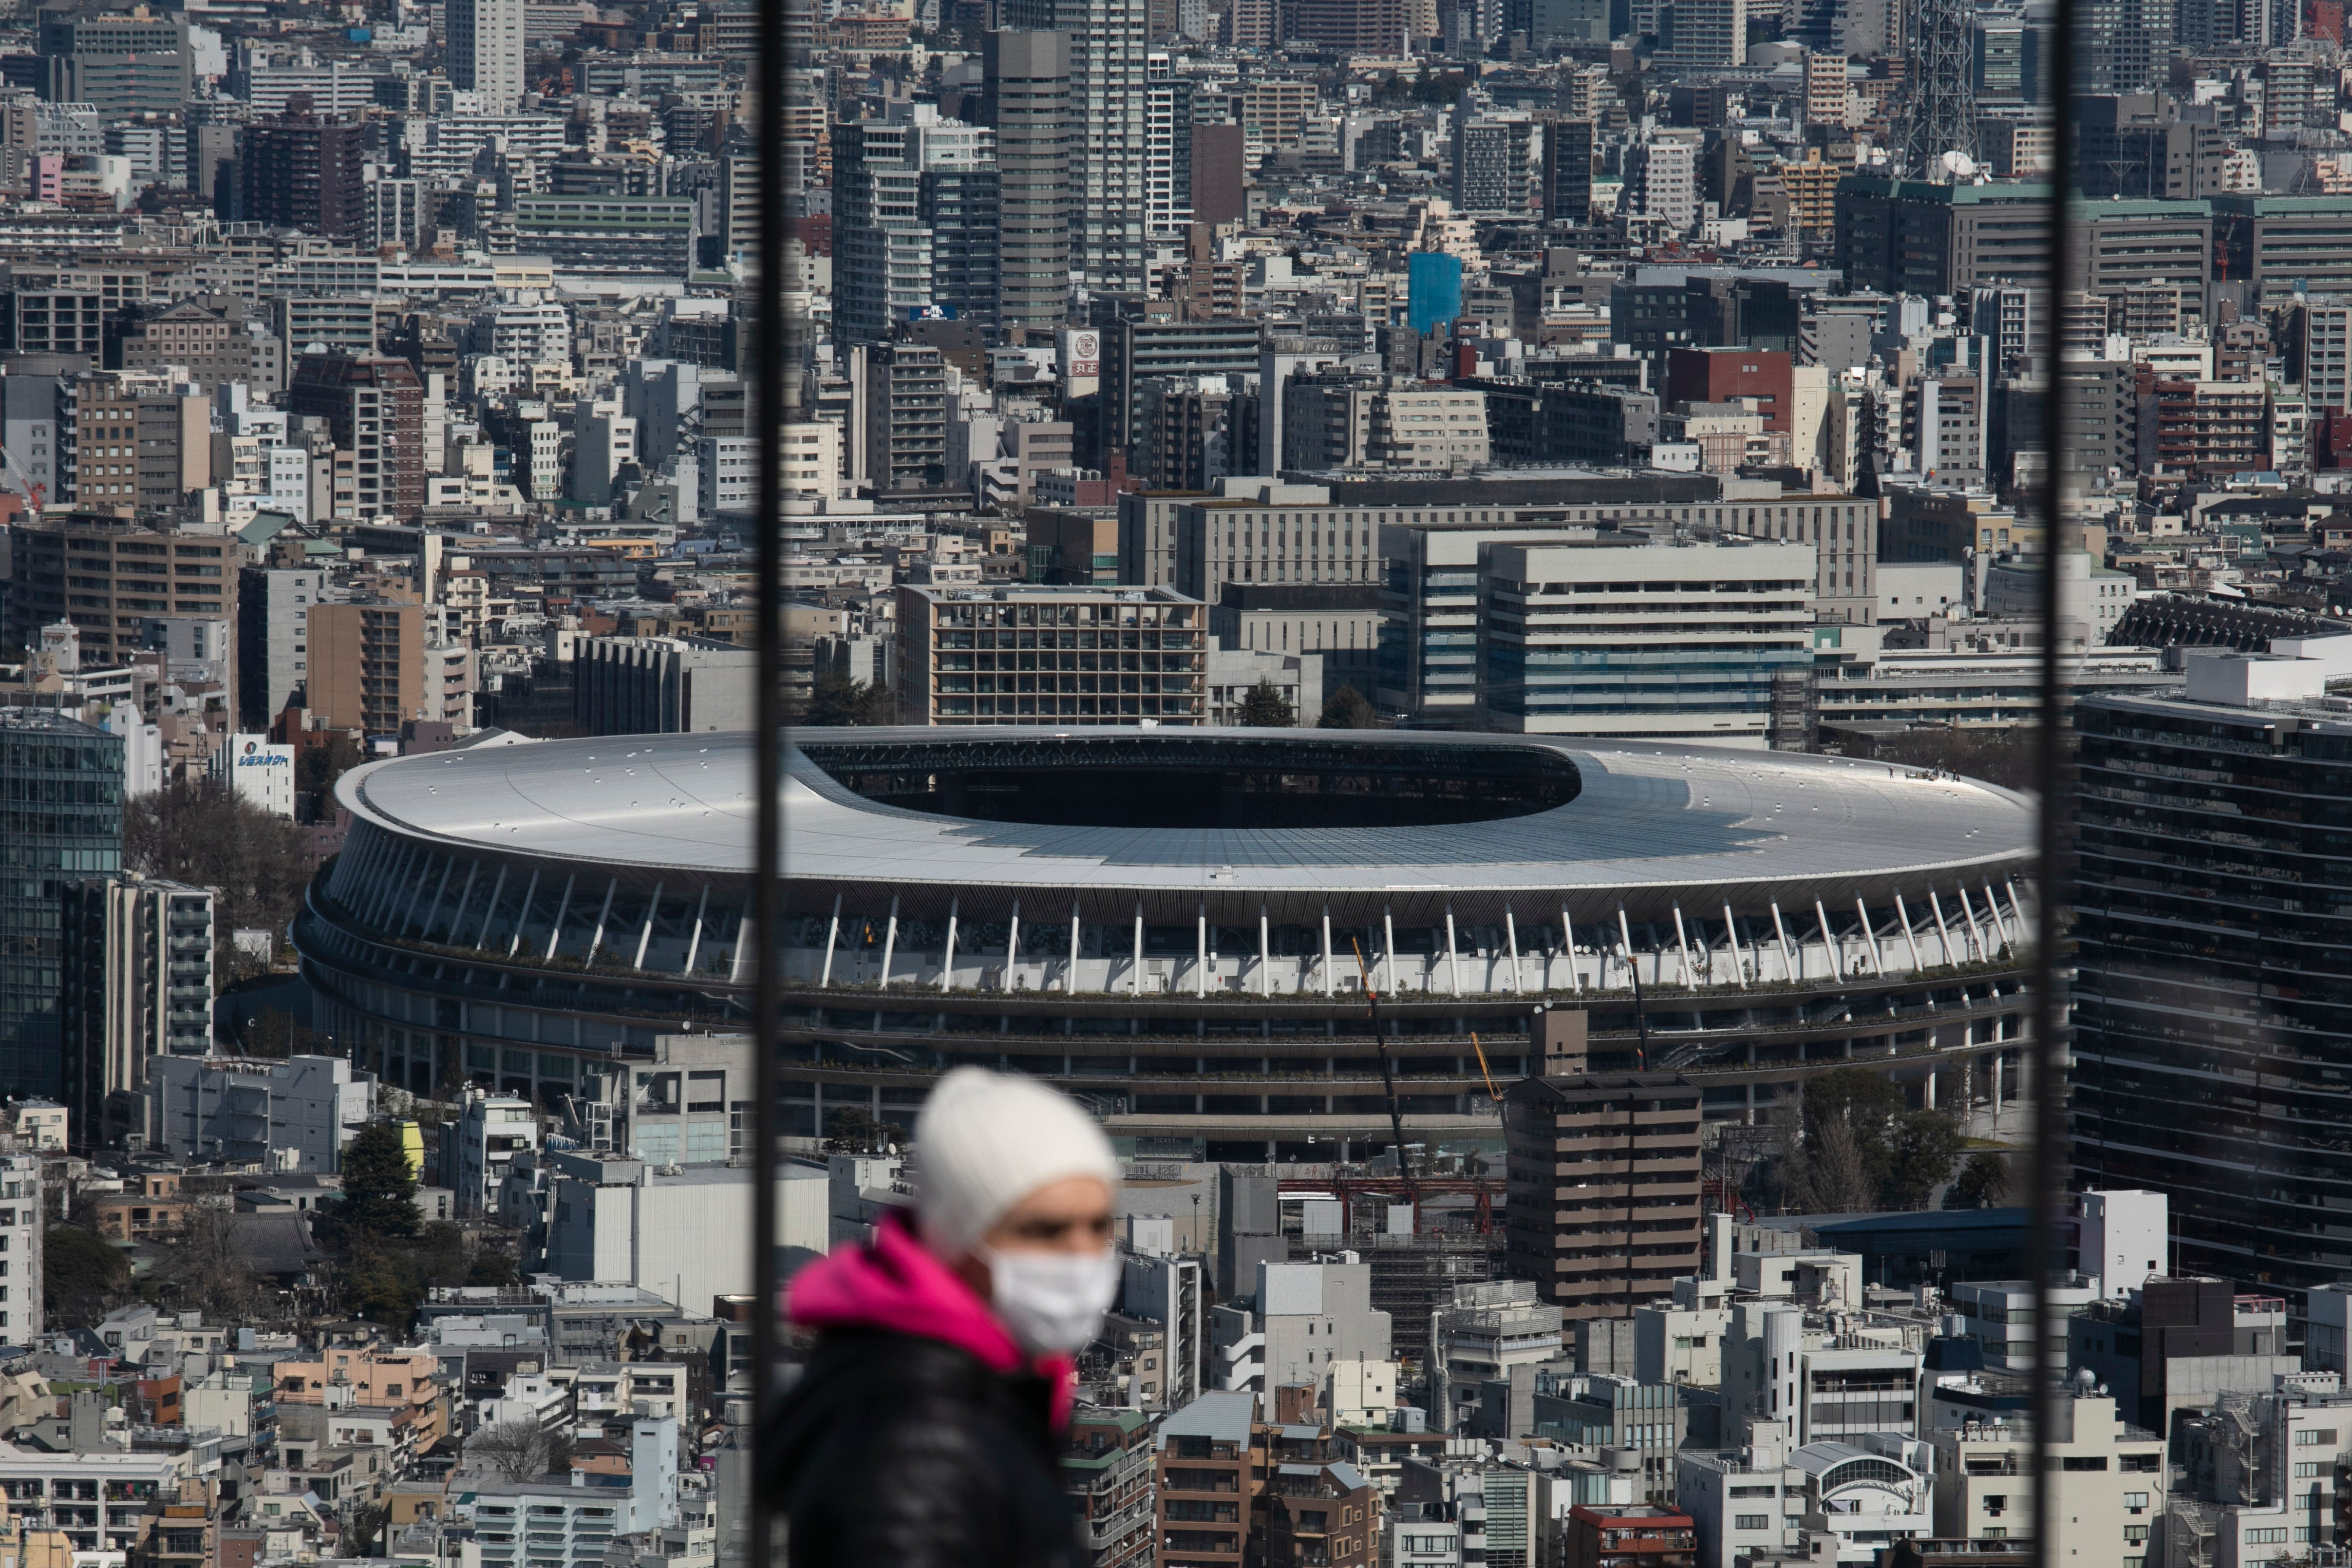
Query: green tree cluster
{"type": "Point", "coordinates": [82, 1278]}
{"type": "Point", "coordinates": [1864, 1150]}
{"type": "Point", "coordinates": [1982, 1184]}
{"type": "Point", "coordinates": [1264, 706]}
{"type": "Point", "coordinates": [388, 1256]}
{"type": "Point", "coordinates": [1347, 709]}
{"type": "Point", "coordinates": [838, 700]}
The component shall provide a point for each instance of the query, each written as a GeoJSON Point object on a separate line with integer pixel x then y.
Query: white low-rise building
{"type": "Point", "coordinates": [1862, 1498]}
{"type": "Point", "coordinates": [674, 1230]}
{"type": "Point", "coordinates": [2113, 1485]}
{"type": "Point", "coordinates": [1742, 1500]}
{"type": "Point", "coordinates": [477, 1148]}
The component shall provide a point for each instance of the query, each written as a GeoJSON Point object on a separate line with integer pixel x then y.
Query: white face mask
{"type": "Point", "coordinates": [1053, 1301]}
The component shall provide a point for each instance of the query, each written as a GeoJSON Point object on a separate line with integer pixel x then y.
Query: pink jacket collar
{"type": "Point", "coordinates": [896, 1283]}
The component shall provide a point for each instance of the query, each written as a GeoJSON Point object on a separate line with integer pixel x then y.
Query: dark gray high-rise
{"type": "Point", "coordinates": [1025, 99]}
{"type": "Point", "coordinates": [1108, 142]}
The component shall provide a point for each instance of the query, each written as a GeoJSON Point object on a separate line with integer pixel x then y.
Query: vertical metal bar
{"type": "Point", "coordinates": [1511, 941]}
{"type": "Point", "coordinates": [1013, 945]}
{"type": "Point", "coordinates": [1264, 954]}
{"type": "Point", "coordinates": [2046, 1176]}
{"type": "Point", "coordinates": [1976, 932]}
{"type": "Point", "coordinates": [1943, 931]}
{"type": "Point", "coordinates": [522, 916]}
{"type": "Point", "coordinates": [694, 942]}
{"type": "Point", "coordinates": [1201, 952]}
{"type": "Point", "coordinates": [1071, 985]}
{"type": "Point", "coordinates": [465, 897]}
{"type": "Point", "coordinates": [1681, 940]}
{"type": "Point", "coordinates": [743, 929]}
{"type": "Point", "coordinates": [409, 914]}
{"type": "Point", "coordinates": [1388, 973]}
{"type": "Point", "coordinates": [562, 908]}
{"type": "Point", "coordinates": [645, 933]}
{"type": "Point", "coordinates": [1903, 914]}
{"type": "Point", "coordinates": [1787, 954]}
{"type": "Point", "coordinates": [890, 942]}
{"type": "Point", "coordinates": [596, 937]}
{"type": "Point", "coordinates": [1326, 949]}
{"type": "Point", "coordinates": [1452, 954]}
{"type": "Point", "coordinates": [1870, 938]}
{"type": "Point", "coordinates": [490, 910]}
{"type": "Point", "coordinates": [777, 396]}
{"type": "Point", "coordinates": [1731, 941]}
{"type": "Point", "coordinates": [1568, 945]}
{"type": "Point", "coordinates": [947, 961]}
{"type": "Point", "coordinates": [832, 934]}
{"type": "Point", "coordinates": [1135, 976]}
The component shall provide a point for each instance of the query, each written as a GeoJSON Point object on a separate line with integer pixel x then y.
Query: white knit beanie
{"type": "Point", "coordinates": [987, 1140]}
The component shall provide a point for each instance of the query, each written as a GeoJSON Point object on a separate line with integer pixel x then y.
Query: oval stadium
{"type": "Point", "coordinates": [1179, 926]}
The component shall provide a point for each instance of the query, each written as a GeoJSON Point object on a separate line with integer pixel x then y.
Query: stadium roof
{"type": "Point", "coordinates": [1652, 826]}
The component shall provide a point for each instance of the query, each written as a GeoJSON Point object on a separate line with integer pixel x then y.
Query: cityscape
{"type": "Point", "coordinates": [1562, 783]}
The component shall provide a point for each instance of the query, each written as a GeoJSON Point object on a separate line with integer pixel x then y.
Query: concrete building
{"type": "Point", "coordinates": [288, 1117]}
{"type": "Point", "coordinates": [1742, 1501]}
{"type": "Point", "coordinates": [1488, 1329]}
{"type": "Point", "coordinates": [259, 770]}
{"type": "Point", "coordinates": [1912, 236]}
{"type": "Point", "coordinates": [137, 440]}
{"type": "Point", "coordinates": [24, 1222]}
{"type": "Point", "coordinates": [137, 985]}
{"type": "Point", "coordinates": [1107, 97]}
{"type": "Point", "coordinates": [477, 1148]}
{"type": "Point", "coordinates": [1339, 622]}
{"type": "Point", "coordinates": [1788, 1365]}
{"type": "Point", "coordinates": [1167, 1289]}
{"type": "Point", "coordinates": [2172, 1345]}
{"type": "Point", "coordinates": [1205, 1479]}
{"type": "Point", "coordinates": [667, 686]}
{"type": "Point", "coordinates": [1300, 1318]}
{"type": "Point", "coordinates": [1025, 99]}
{"type": "Point", "coordinates": [674, 1230]}
{"type": "Point", "coordinates": [2113, 1490]}
{"type": "Point", "coordinates": [1681, 1341]}
{"type": "Point", "coordinates": [578, 1520]}
{"type": "Point", "coordinates": [374, 408]}
{"type": "Point", "coordinates": [368, 666]}
{"type": "Point", "coordinates": [958, 663]}
{"type": "Point", "coordinates": [1496, 629]}
{"type": "Point", "coordinates": [484, 48]}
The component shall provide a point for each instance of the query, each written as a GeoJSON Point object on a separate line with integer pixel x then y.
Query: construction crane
{"type": "Point", "coordinates": [1388, 1082]}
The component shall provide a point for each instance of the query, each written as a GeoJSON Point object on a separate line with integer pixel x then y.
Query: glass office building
{"type": "Point", "coordinates": [60, 820]}
{"type": "Point", "coordinates": [2211, 1005]}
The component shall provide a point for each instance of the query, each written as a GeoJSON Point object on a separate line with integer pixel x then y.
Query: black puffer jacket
{"type": "Point", "coordinates": [899, 1451]}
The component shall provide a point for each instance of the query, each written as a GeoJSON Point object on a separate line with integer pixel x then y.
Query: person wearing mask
{"type": "Point", "coordinates": [927, 1428]}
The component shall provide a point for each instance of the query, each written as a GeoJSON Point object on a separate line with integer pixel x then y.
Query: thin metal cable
{"type": "Point", "coordinates": [771, 405]}
{"type": "Point", "coordinates": [2046, 1182]}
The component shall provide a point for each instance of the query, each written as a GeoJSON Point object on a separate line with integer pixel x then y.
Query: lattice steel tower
{"type": "Point", "coordinates": [1939, 112]}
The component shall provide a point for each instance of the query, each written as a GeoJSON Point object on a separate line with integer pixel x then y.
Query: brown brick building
{"type": "Point", "coordinates": [1604, 1177]}
{"type": "Point", "coordinates": [374, 408]}
{"type": "Point", "coordinates": [299, 171]}
{"type": "Point", "coordinates": [1209, 1479]}
{"type": "Point", "coordinates": [367, 667]}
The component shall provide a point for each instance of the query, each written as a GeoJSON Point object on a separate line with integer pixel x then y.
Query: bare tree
{"type": "Point", "coordinates": [207, 1269]}
{"type": "Point", "coordinates": [1829, 1175]}
{"type": "Point", "coordinates": [519, 1450]}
